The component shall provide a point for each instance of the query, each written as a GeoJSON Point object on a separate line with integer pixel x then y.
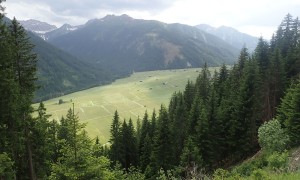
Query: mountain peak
{"type": "Point", "coordinates": [123, 17]}
{"type": "Point", "coordinates": [37, 26]}
{"type": "Point", "coordinates": [66, 25]}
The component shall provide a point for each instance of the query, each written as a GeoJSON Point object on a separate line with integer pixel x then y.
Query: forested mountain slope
{"type": "Point", "coordinates": [60, 73]}
{"type": "Point", "coordinates": [123, 44]}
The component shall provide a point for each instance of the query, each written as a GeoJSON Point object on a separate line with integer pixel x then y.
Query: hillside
{"type": "Point", "coordinates": [231, 36]}
{"type": "Point", "coordinates": [60, 73]}
{"type": "Point", "coordinates": [265, 166]}
{"type": "Point", "coordinates": [123, 44]}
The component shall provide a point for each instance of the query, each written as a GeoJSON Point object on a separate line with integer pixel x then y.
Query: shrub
{"type": "Point", "coordinates": [6, 167]}
{"type": "Point", "coordinates": [60, 101]}
{"type": "Point", "coordinates": [272, 137]}
{"type": "Point", "coordinates": [278, 161]}
{"type": "Point", "coordinates": [220, 174]}
{"type": "Point", "coordinates": [259, 174]}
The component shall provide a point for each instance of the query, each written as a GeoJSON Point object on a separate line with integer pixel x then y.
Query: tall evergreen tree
{"type": "Point", "coordinates": [277, 80]}
{"type": "Point", "coordinates": [128, 147]}
{"type": "Point", "coordinates": [115, 137]}
{"type": "Point", "coordinates": [145, 144]}
{"type": "Point", "coordinates": [191, 156]}
{"type": "Point", "coordinates": [42, 143]}
{"type": "Point", "coordinates": [202, 86]}
{"type": "Point", "coordinates": [77, 160]}
{"type": "Point", "coordinates": [189, 94]}
{"type": "Point", "coordinates": [162, 150]}
{"type": "Point", "coordinates": [261, 54]}
{"type": "Point", "coordinates": [247, 110]}
{"type": "Point", "coordinates": [179, 126]}
{"type": "Point", "coordinates": [289, 114]}
{"type": "Point", "coordinates": [18, 75]}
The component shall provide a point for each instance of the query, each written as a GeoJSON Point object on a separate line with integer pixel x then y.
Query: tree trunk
{"type": "Point", "coordinates": [31, 170]}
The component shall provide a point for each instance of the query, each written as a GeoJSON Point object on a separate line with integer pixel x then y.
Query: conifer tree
{"type": "Point", "coordinates": [248, 111]}
{"type": "Point", "coordinates": [162, 150]}
{"type": "Point", "coordinates": [145, 145]}
{"type": "Point", "coordinates": [138, 131]}
{"type": "Point", "coordinates": [277, 80]}
{"type": "Point", "coordinates": [202, 136]}
{"type": "Point", "coordinates": [128, 147]}
{"type": "Point", "coordinates": [261, 55]}
{"type": "Point", "coordinates": [179, 125]}
{"type": "Point", "coordinates": [189, 94]}
{"type": "Point", "coordinates": [145, 153]}
{"type": "Point", "coordinates": [202, 86]}
{"type": "Point", "coordinates": [289, 114]}
{"type": "Point", "coordinates": [219, 84]}
{"type": "Point", "coordinates": [153, 125]}
{"type": "Point", "coordinates": [191, 155]}
{"type": "Point", "coordinates": [77, 160]}
{"type": "Point", "coordinates": [54, 140]}
{"type": "Point", "coordinates": [194, 115]}
{"type": "Point", "coordinates": [287, 39]}
{"type": "Point", "coordinates": [42, 143]}
{"type": "Point", "coordinates": [19, 72]}
{"type": "Point", "coordinates": [115, 137]}
{"type": "Point", "coordinates": [7, 88]}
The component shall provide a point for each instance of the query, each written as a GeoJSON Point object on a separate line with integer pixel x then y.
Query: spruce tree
{"type": "Point", "coordinates": [189, 94]}
{"type": "Point", "coordinates": [115, 136]}
{"type": "Point", "coordinates": [42, 143]}
{"type": "Point", "coordinates": [145, 145]}
{"type": "Point", "coordinates": [191, 156]}
{"type": "Point", "coordinates": [179, 126]}
{"type": "Point", "coordinates": [18, 75]}
{"type": "Point", "coordinates": [248, 110]}
{"type": "Point", "coordinates": [128, 147]}
{"type": "Point", "coordinates": [277, 80]}
{"type": "Point", "coordinates": [77, 159]}
{"type": "Point", "coordinates": [289, 114]}
{"type": "Point", "coordinates": [162, 150]}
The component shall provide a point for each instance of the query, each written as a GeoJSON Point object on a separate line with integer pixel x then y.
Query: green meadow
{"type": "Point", "coordinates": [131, 97]}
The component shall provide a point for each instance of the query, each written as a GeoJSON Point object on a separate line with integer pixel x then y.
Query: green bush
{"type": "Point", "coordinates": [220, 174]}
{"type": "Point", "coordinates": [247, 168]}
{"type": "Point", "coordinates": [272, 137]}
{"type": "Point", "coordinates": [6, 167]}
{"type": "Point", "coordinates": [278, 161]}
{"type": "Point", "coordinates": [259, 174]}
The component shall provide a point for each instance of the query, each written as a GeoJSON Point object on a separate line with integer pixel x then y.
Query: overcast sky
{"type": "Point", "coordinates": [255, 17]}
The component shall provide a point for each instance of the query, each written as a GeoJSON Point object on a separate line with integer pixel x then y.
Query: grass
{"type": "Point", "coordinates": [131, 96]}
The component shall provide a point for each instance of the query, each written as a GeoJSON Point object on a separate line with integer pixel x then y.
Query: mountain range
{"type": "Point", "coordinates": [231, 36]}
{"type": "Point", "coordinates": [101, 50]}
{"type": "Point", "coordinates": [123, 44]}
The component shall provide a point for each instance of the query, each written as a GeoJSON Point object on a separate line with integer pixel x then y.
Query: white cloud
{"type": "Point", "coordinates": [253, 16]}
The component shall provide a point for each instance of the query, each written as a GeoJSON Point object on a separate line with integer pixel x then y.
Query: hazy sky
{"type": "Point", "coordinates": [255, 17]}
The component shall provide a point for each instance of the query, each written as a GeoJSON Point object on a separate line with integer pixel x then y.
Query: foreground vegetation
{"type": "Point", "coordinates": [216, 122]}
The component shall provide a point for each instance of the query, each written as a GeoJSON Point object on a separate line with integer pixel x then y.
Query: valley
{"type": "Point", "coordinates": [131, 96]}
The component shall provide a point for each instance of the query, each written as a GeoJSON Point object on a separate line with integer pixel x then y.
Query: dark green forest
{"type": "Point", "coordinates": [217, 122]}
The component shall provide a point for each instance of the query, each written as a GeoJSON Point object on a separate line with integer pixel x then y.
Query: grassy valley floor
{"type": "Point", "coordinates": [131, 96]}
